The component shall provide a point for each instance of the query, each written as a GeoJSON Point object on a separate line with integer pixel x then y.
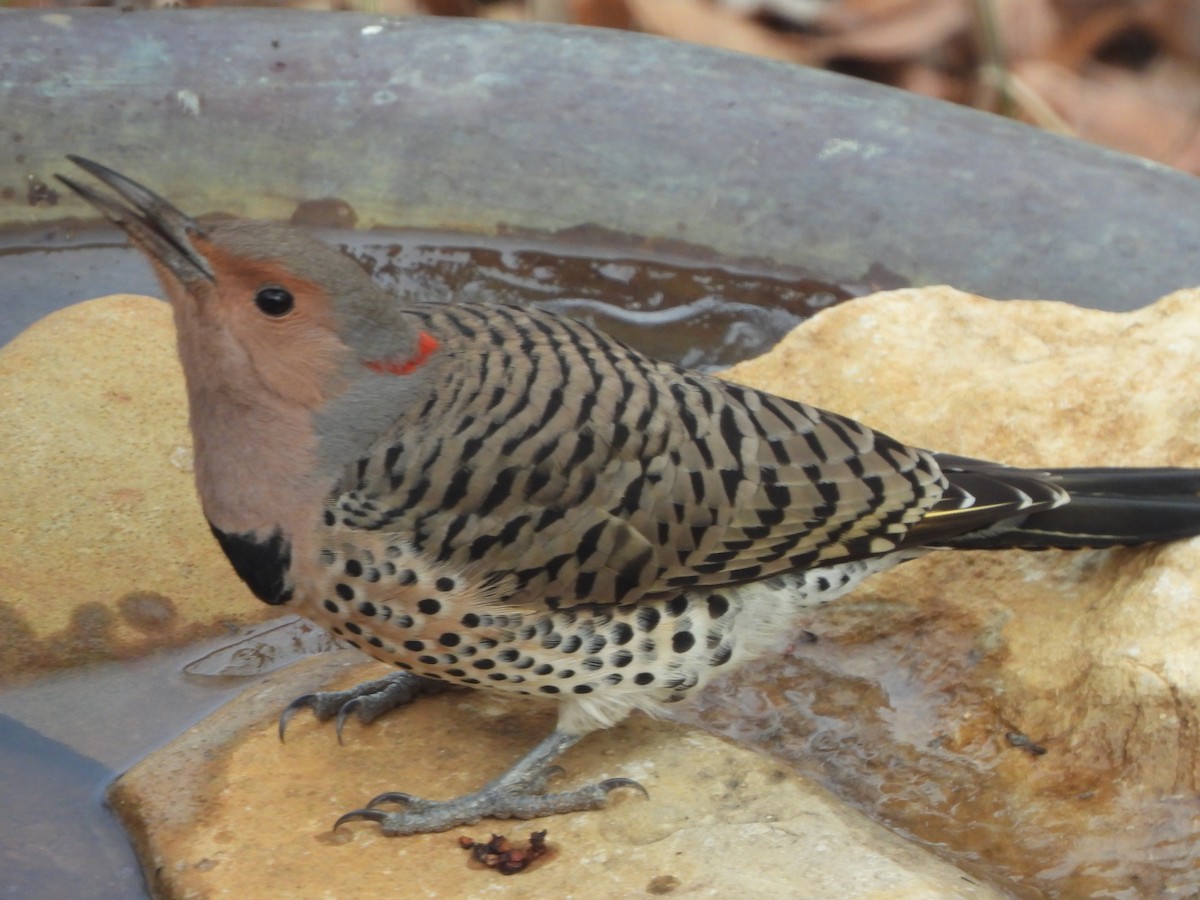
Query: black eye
{"type": "Point", "coordinates": [274, 301]}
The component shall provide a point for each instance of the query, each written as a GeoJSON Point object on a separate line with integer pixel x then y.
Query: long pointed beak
{"type": "Point", "coordinates": [152, 223]}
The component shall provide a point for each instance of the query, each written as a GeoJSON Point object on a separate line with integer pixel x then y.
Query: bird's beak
{"type": "Point", "coordinates": [152, 223]}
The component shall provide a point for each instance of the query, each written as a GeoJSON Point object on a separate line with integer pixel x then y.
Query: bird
{"type": "Point", "coordinates": [501, 498]}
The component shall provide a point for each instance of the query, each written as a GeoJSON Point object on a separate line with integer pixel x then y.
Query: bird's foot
{"type": "Point", "coordinates": [499, 800]}
{"type": "Point", "coordinates": [370, 700]}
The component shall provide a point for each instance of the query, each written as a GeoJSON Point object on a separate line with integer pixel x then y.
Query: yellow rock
{"type": "Point", "coordinates": [1091, 654]}
{"type": "Point", "coordinates": [229, 810]}
{"type": "Point", "coordinates": [1039, 383]}
{"type": "Point", "coordinates": [1028, 382]}
{"type": "Point", "coordinates": [106, 550]}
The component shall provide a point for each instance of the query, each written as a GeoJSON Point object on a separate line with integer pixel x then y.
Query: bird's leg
{"type": "Point", "coordinates": [517, 794]}
{"type": "Point", "coordinates": [370, 699]}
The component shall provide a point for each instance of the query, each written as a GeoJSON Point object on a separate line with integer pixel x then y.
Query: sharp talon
{"type": "Point", "coordinates": [611, 784]}
{"type": "Point", "coordinates": [552, 772]}
{"type": "Point", "coordinates": [284, 718]}
{"type": "Point", "coordinates": [373, 815]}
{"type": "Point", "coordinates": [290, 710]}
{"type": "Point", "coordinates": [344, 713]}
{"type": "Point", "coordinates": [392, 797]}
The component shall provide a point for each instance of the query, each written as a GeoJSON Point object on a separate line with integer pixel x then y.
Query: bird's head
{"type": "Point", "coordinates": [294, 358]}
{"type": "Point", "coordinates": [260, 307]}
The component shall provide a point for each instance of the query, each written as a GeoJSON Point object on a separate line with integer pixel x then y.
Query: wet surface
{"type": "Point", "coordinates": [870, 701]}
{"type": "Point", "coordinates": [479, 127]}
{"type": "Point", "coordinates": [667, 300]}
{"type": "Point", "coordinates": [58, 841]}
{"type": "Point", "coordinates": [63, 738]}
{"type": "Point", "coordinates": [894, 709]}
{"type": "Point", "coordinates": [676, 301]}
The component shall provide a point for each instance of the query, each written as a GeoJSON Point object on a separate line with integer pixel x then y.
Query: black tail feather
{"type": "Point", "coordinates": [991, 507]}
{"type": "Point", "coordinates": [1097, 521]}
{"type": "Point", "coordinates": [1149, 482]}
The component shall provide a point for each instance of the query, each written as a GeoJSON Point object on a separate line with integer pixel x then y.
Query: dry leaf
{"type": "Point", "coordinates": [799, 12]}
{"type": "Point", "coordinates": [1154, 116]}
{"type": "Point", "coordinates": [1028, 28]}
{"type": "Point", "coordinates": [929, 82]}
{"type": "Point", "coordinates": [702, 23]}
{"type": "Point", "coordinates": [457, 8]}
{"type": "Point", "coordinates": [602, 13]}
{"type": "Point", "coordinates": [890, 30]}
{"type": "Point", "coordinates": [506, 11]}
{"type": "Point", "coordinates": [1176, 23]}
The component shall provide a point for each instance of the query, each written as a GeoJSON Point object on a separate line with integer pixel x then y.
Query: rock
{"type": "Point", "coordinates": [106, 551]}
{"type": "Point", "coordinates": [229, 809]}
{"type": "Point", "coordinates": [978, 661]}
{"type": "Point", "coordinates": [1027, 380]}
{"type": "Point", "coordinates": [1034, 713]}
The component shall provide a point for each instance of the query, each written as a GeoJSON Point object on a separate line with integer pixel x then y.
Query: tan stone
{"type": "Point", "coordinates": [1032, 381]}
{"type": "Point", "coordinates": [229, 810]}
{"type": "Point", "coordinates": [1039, 383]}
{"type": "Point", "coordinates": [1092, 654]}
{"type": "Point", "coordinates": [106, 553]}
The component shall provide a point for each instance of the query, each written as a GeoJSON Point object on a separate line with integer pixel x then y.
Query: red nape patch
{"type": "Point", "coordinates": [426, 345]}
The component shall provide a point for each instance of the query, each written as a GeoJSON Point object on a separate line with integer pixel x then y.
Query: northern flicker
{"type": "Point", "coordinates": [502, 498]}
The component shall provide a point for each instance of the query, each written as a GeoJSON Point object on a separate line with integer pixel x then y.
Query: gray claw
{"type": "Point", "coordinates": [393, 797]}
{"type": "Point", "coordinates": [370, 699]}
{"type": "Point", "coordinates": [375, 815]}
{"type": "Point", "coordinates": [611, 784]}
{"type": "Point", "coordinates": [343, 713]}
{"type": "Point", "coordinates": [536, 783]}
{"type": "Point", "coordinates": [291, 709]}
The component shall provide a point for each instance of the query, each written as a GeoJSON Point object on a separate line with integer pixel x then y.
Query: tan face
{"type": "Point", "coordinates": [258, 327]}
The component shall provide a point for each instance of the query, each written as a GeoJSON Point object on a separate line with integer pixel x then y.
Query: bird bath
{"type": "Point", "coordinates": [690, 186]}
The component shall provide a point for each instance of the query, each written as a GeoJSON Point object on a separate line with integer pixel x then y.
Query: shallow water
{"type": "Point", "coordinates": [886, 707]}
{"type": "Point", "coordinates": [63, 738]}
{"type": "Point", "coordinates": [678, 302]}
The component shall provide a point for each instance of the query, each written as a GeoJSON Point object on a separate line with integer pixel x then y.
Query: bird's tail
{"type": "Point", "coordinates": [991, 507]}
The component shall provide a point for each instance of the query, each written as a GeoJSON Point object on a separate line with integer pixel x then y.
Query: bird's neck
{"type": "Point", "coordinates": [372, 409]}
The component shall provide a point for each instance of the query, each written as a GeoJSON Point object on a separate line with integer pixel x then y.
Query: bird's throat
{"type": "Point", "coordinates": [255, 464]}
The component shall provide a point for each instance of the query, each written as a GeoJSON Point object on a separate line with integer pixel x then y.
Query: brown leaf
{"type": "Point", "coordinates": [457, 8]}
{"type": "Point", "coordinates": [929, 82]}
{"type": "Point", "coordinates": [1176, 23]}
{"type": "Point", "coordinates": [506, 11]}
{"type": "Point", "coordinates": [714, 26]}
{"type": "Point", "coordinates": [1151, 114]}
{"type": "Point", "coordinates": [1080, 41]}
{"type": "Point", "coordinates": [1028, 28]}
{"type": "Point", "coordinates": [602, 13]}
{"type": "Point", "coordinates": [889, 30]}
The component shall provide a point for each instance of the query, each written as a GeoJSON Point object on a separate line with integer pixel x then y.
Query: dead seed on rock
{"type": "Point", "coordinates": [499, 854]}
